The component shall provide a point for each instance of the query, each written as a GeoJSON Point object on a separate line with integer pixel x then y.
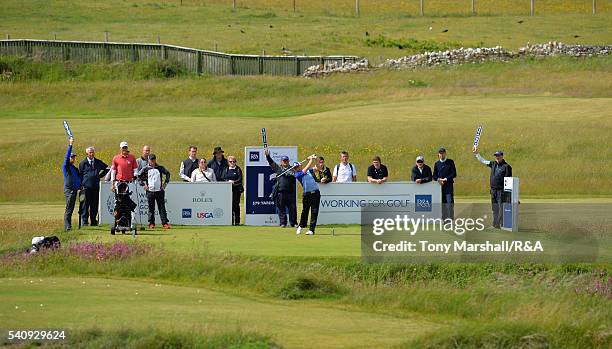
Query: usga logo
{"type": "Point", "coordinates": [216, 213]}
{"type": "Point", "coordinates": [422, 203]}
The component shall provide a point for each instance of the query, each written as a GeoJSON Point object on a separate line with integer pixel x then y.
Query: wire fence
{"type": "Point", "coordinates": [418, 7]}
{"type": "Point", "coordinates": [192, 60]}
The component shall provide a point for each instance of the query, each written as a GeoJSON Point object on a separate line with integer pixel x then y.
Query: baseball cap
{"type": "Point", "coordinates": [218, 150]}
{"type": "Point", "coordinates": [152, 157]}
{"type": "Point", "coordinates": [420, 158]}
{"type": "Point", "coordinates": [284, 158]}
{"type": "Point", "coordinates": [296, 164]}
{"type": "Point", "coordinates": [72, 155]}
{"type": "Point", "coordinates": [442, 150]}
{"type": "Point", "coordinates": [37, 239]}
{"type": "Point", "coordinates": [499, 153]}
{"type": "Point", "coordinates": [123, 144]}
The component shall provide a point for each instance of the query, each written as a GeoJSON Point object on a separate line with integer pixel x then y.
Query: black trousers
{"type": "Point", "coordinates": [158, 197]}
{"type": "Point", "coordinates": [310, 202]}
{"type": "Point", "coordinates": [236, 207]}
{"type": "Point", "coordinates": [70, 195]}
{"type": "Point", "coordinates": [498, 198]}
{"type": "Point", "coordinates": [89, 207]}
{"type": "Point", "coordinates": [448, 201]}
{"type": "Point", "coordinates": [285, 203]}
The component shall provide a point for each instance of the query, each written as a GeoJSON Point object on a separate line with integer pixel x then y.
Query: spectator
{"type": "Point", "coordinates": [143, 160]}
{"type": "Point", "coordinates": [421, 173]}
{"type": "Point", "coordinates": [311, 197]}
{"type": "Point", "coordinates": [124, 168]}
{"type": "Point", "coordinates": [321, 173]}
{"type": "Point", "coordinates": [344, 171]}
{"type": "Point", "coordinates": [155, 188]}
{"type": "Point", "coordinates": [445, 173]}
{"type": "Point", "coordinates": [218, 163]}
{"type": "Point", "coordinates": [377, 172]}
{"type": "Point", "coordinates": [91, 169]}
{"type": "Point", "coordinates": [72, 183]}
{"type": "Point", "coordinates": [284, 190]}
{"type": "Point", "coordinates": [499, 169]}
{"type": "Point", "coordinates": [233, 174]}
{"type": "Point", "coordinates": [203, 173]}
{"type": "Point", "coordinates": [189, 165]}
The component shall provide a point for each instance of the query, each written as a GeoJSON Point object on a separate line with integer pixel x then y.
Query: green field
{"type": "Point", "coordinates": [319, 27]}
{"type": "Point", "coordinates": [258, 287]}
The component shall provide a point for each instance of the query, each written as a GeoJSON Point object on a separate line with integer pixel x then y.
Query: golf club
{"type": "Point", "coordinates": [138, 206]}
{"type": "Point", "coordinates": [290, 168]}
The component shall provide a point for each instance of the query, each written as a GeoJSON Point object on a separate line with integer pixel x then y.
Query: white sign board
{"type": "Point", "coordinates": [341, 203]}
{"type": "Point", "coordinates": [260, 208]}
{"type": "Point", "coordinates": [186, 204]}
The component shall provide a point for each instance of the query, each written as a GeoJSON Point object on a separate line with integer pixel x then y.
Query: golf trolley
{"type": "Point", "coordinates": [123, 213]}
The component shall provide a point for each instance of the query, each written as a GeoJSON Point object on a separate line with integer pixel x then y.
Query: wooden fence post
{"type": "Point", "coordinates": [106, 36]}
{"type": "Point", "coordinates": [293, 5]}
{"type": "Point", "coordinates": [107, 48]}
{"type": "Point", "coordinates": [357, 8]}
{"type": "Point", "coordinates": [164, 52]}
{"type": "Point", "coordinates": [261, 66]}
{"type": "Point", "coordinates": [422, 8]}
{"type": "Point", "coordinates": [473, 7]}
{"type": "Point", "coordinates": [297, 66]}
{"type": "Point", "coordinates": [594, 7]}
{"type": "Point", "coordinates": [134, 55]}
{"type": "Point", "coordinates": [199, 65]}
{"type": "Point", "coordinates": [234, 4]}
{"type": "Point", "coordinates": [532, 9]}
{"type": "Point", "coordinates": [232, 65]}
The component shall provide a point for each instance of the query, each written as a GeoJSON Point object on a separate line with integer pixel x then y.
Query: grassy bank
{"type": "Point", "coordinates": [318, 27]}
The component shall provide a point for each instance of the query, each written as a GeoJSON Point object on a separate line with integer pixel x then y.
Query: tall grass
{"type": "Point", "coordinates": [23, 69]}
{"type": "Point", "coordinates": [507, 302]}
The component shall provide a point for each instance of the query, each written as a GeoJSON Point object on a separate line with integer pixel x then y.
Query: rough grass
{"type": "Point", "coordinates": [152, 339]}
{"type": "Point", "coordinates": [319, 27]}
{"type": "Point", "coordinates": [509, 303]}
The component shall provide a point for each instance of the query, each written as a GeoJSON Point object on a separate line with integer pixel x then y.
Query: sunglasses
{"type": "Point", "coordinates": [231, 161]}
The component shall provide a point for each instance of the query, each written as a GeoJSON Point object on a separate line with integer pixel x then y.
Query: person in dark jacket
{"type": "Point", "coordinates": [155, 187]}
{"type": "Point", "coordinates": [218, 163]}
{"type": "Point", "coordinates": [233, 174]}
{"type": "Point", "coordinates": [189, 165]}
{"type": "Point", "coordinates": [421, 173]}
{"type": "Point", "coordinates": [284, 190]}
{"type": "Point", "coordinates": [499, 169]}
{"type": "Point", "coordinates": [72, 184]}
{"type": "Point", "coordinates": [321, 173]}
{"type": "Point", "coordinates": [91, 170]}
{"type": "Point", "coordinates": [445, 173]}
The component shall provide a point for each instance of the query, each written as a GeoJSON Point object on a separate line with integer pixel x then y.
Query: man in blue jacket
{"type": "Point", "coordinates": [91, 170]}
{"type": "Point", "coordinates": [445, 173]}
{"type": "Point", "coordinates": [72, 184]}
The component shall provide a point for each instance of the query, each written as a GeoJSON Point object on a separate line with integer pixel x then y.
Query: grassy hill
{"type": "Point", "coordinates": [318, 27]}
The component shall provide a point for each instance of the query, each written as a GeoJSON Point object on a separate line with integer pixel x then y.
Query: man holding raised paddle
{"type": "Point", "coordinates": [72, 180]}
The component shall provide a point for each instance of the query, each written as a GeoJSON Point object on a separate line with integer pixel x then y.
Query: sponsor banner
{"type": "Point", "coordinates": [186, 204]}
{"type": "Point", "coordinates": [260, 208]}
{"type": "Point", "coordinates": [342, 203]}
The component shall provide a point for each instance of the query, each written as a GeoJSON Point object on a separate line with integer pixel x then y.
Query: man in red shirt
{"type": "Point", "coordinates": [124, 167]}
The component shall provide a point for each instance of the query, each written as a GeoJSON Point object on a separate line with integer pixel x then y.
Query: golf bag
{"type": "Point", "coordinates": [123, 212]}
{"type": "Point", "coordinates": [44, 243]}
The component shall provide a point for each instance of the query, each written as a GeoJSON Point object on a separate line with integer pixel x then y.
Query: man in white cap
{"type": "Point", "coordinates": [124, 167]}
{"type": "Point", "coordinates": [421, 173]}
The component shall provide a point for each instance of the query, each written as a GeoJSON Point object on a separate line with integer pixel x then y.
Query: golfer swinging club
{"type": "Point", "coordinates": [311, 197]}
